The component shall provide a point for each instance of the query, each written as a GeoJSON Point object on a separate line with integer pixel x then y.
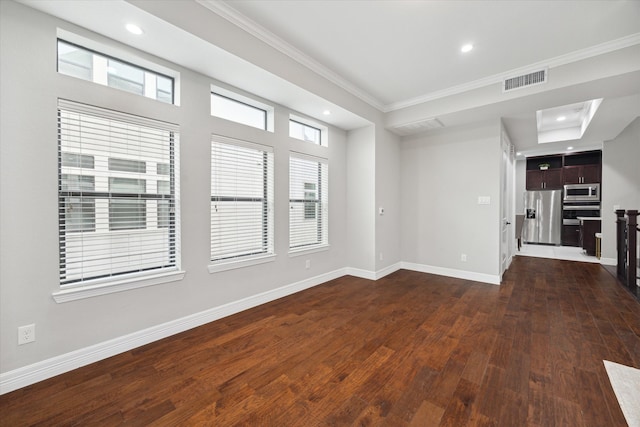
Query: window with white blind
{"type": "Point", "coordinates": [117, 195]}
{"type": "Point", "coordinates": [241, 201]}
{"type": "Point", "coordinates": [308, 202]}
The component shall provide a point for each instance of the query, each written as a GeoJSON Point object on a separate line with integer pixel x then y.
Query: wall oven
{"type": "Point", "coordinates": [581, 192]}
{"type": "Point", "coordinates": [572, 211]}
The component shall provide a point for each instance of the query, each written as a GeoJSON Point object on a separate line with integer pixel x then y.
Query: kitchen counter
{"type": "Point", "coordinates": [589, 226]}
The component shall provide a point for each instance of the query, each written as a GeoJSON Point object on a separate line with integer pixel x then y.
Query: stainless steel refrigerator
{"type": "Point", "coordinates": [543, 217]}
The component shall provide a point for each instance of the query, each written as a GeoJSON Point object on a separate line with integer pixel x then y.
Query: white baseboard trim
{"type": "Point", "coordinates": [39, 371]}
{"type": "Point", "coordinates": [374, 275]}
{"type": "Point", "coordinates": [388, 270]}
{"type": "Point", "coordinates": [450, 272]}
{"type": "Point", "coordinates": [608, 261]}
{"type": "Point", "coordinates": [363, 274]}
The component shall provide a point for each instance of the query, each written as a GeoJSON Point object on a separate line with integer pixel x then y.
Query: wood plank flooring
{"type": "Point", "coordinates": [411, 349]}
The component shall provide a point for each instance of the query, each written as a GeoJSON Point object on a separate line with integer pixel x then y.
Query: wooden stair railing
{"type": "Point", "coordinates": [627, 244]}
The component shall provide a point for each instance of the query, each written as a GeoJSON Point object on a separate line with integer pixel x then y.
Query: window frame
{"type": "Point", "coordinates": [115, 281]}
{"type": "Point", "coordinates": [321, 217]}
{"type": "Point", "coordinates": [269, 110]}
{"type": "Point", "coordinates": [108, 57]}
{"type": "Point", "coordinates": [267, 252]}
{"type": "Point", "coordinates": [322, 130]}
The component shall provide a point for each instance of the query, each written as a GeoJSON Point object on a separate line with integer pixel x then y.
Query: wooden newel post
{"type": "Point", "coordinates": [632, 247]}
{"type": "Point", "coordinates": [620, 226]}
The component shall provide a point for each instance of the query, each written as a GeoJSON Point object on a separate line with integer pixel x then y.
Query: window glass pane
{"type": "Point", "coordinates": [164, 89]}
{"type": "Point", "coordinates": [79, 214]}
{"type": "Point", "coordinates": [74, 61]}
{"type": "Point", "coordinates": [241, 201]}
{"type": "Point", "coordinates": [308, 203]}
{"type": "Point", "coordinates": [85, 64]}
{"type": "Point", "coordinates": [304, 132]}
{"type": "Point", "coordinates": [125, 77]}
{"type": "Point", "coordinates": [239, 112]}
{"type": "Point", "coordinates": [163, 187]}
{"type": "Point", "coordinates": [127, 214]}
{"type": "Point", "coordinates": [127, 165]}
{"type": "Point", "coordinates": [310, 194]}
{"type": "Point", "coordinates": [78, 183]}
{"type": "Point", "coordinates": [163, 214]}
{"type": "Point", "coordinates": [73, 160]}
{"type": "Point", "coordinates": [162, 168]}
{"type": "Point", "coordinates": [98, 205]}
{"type": "Point", "coordinates": [127, 185]}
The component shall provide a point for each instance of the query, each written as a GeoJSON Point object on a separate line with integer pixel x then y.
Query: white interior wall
{"type": "Point", "coordinates": [387, 181]}
{"type": "Point", "coordinates": [361, 198]}
{"type": "Point", "coordinates": [30, 88]}
{"type": "Point", "coordinates": [442, 176]}
{"type": "Point", "coordinates": [620, 183]}
{"type": "Point", "coordinates": [427, 203]}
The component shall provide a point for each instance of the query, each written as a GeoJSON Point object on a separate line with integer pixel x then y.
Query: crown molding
{"type": "Point", "coordinates": [224, 10]}
{"type": "Point", "coordinates": [558, 61]}
{"type": "Point", "coordinates": [232, 15]}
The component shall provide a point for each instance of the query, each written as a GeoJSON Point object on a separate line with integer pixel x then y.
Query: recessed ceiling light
{"type": "Point", "coordinates": [561, 119]}
{"type": "Point", "coordinates": [518, 154]}
{"type": "Point", "coordinates": [466, 48]}
{"type": "Point", "coordinates": [326, 112]}
{"type": "Point", "coordinates": [569, 148]}
{"type": "Point", "coordinates": [134, 29]}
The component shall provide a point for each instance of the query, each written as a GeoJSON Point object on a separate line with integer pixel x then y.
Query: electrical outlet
{"type": "Point", "coordinates": [26, 334]}
{"type": "Point", "coordinates": [307, 264]}
{"type": "Point", "coordinates": [381, 257]}
{"type": "Point", "coordinates": [463, 257]}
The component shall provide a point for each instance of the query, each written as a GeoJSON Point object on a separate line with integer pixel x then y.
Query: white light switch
{"type": "Point", "coordinates": [381, 211]}
{"type": "Point", "coordinates": [484, 200]}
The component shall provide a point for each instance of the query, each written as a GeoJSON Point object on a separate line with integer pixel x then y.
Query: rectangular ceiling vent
{"type": "Point", "coordinates": [525, 80]}
{"type": "Point", "coordinates": [418, 126]}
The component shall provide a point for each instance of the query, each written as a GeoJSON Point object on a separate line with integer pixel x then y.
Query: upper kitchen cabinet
{"type": "Point", "coordinates": [582, 168]}
{"type": "Point", "coordinates": [544, 173]}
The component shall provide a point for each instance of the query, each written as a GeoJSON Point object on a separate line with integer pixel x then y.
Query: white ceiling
{"type": "Point", "coordinates": [400, 50]}
{"type": "Point", "coordinates": [400, 54]}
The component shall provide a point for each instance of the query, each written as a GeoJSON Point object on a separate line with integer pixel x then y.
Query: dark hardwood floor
{"type": "Point", "coordinates": [411, 349]}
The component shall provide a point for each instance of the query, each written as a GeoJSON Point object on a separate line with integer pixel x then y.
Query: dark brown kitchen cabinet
{"type": "Point", "coordinates": [550, 179]}
{"type": "Point", "coordinates": [570, 235]}
{"type": "Point", "coordinates": [587, 174]}
{"type": "Point", "coordinates": [582, 168]}
{"type": "Point", "coordinates": [552, 172]}
{"type": "Point", "coordinates": [588, 230]}
{"type": "Point", "coordinates": [544, 173]}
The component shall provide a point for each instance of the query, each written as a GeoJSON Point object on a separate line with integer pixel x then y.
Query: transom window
{"type": "Point", "coordinates": [85, 64]}
{"type": "Point", "coordinates": [306, 130]}
{"type": "Point", "coordinates": [241, 199]}
{"type": "Point", "coordinates": [308, 202]}
{"type": "Point", "coordinates": [117, 213]}
{"type": "Point", "coordinates": [237, 111]}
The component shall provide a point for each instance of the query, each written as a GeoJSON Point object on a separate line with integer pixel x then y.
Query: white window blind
{"type": "Point", "coordinates": [241, 199]}
{"type": "Point", "coordinates": [308, 202]}
{"type": "Point", "coordinates": [118, 195]}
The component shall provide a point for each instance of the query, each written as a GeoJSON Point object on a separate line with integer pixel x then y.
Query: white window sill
{"type": "Point", "coordinates": [304, 251]}
{"type": "Point", "coordinates": [216, 267]}
{"type": "Point", "coordinates": [109, 287]}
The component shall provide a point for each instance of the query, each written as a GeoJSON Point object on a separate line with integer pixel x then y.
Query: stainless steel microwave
{"type": "Point", "coordinates": [581, 192]}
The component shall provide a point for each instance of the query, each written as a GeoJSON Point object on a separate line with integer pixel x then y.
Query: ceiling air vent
{"type": "Point", "coordinates": [525, 80]}
{"type": "Point", "coordinates": [417, 127]}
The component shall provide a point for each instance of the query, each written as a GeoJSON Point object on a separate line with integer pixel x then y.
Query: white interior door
{"type": "Point", "coordinates": [507, 230]}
